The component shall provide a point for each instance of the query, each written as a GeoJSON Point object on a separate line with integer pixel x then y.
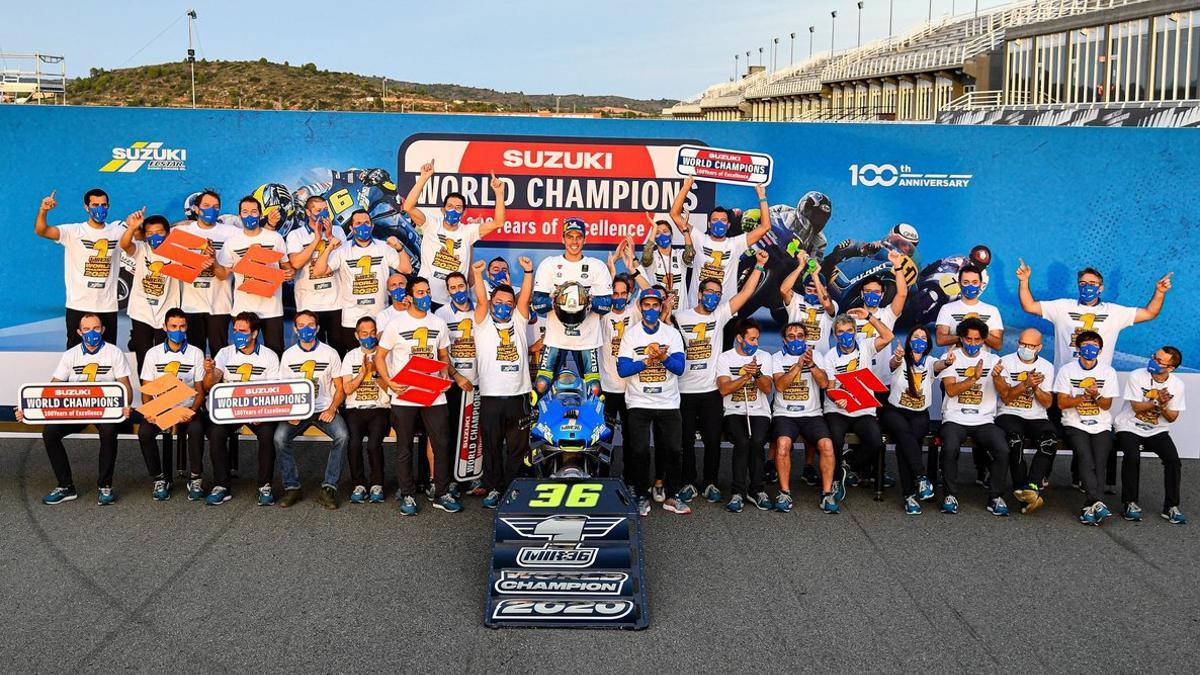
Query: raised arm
{"type": "Point", "coordinates": [1028, 304]}
{"type": "Point", "coordinates": [410, 201]}
{"type": "Point", "coordinates": [677, 216]}
{"type": "Point", "coordinates": [748, 288]}
{"type": "Point", "coordinates": [764, 221]}
{"type": "Point", "coordinates": [901, 283]}
{"type": "Point", "coordinates": [498, 213]}
{"type": "Point", "coordinates": [1152, 308]}
{"type": "Point", "coordinates": [525, 298]}
{"type": "Point", "coordinates": [40, 227]}
{"type": "Point", "coordinates": [789, 282]}
{"type": "Point", "coordinates": [482, 301]}
{"type": "Point", "coordinates": [133, 226]}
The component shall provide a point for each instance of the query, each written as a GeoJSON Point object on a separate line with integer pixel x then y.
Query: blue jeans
{"type": "Point", "coordinates": [335, 430]}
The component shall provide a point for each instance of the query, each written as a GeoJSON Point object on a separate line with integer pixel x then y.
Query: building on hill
{"type": "Point", "coordinates": [33, 78]}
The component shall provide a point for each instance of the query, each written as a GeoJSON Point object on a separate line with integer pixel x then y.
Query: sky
{"type": "Point", "coordinates": [639, 48]}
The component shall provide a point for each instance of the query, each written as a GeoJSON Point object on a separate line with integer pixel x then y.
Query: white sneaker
{"type": "Point", "coordinates": [658, 493]}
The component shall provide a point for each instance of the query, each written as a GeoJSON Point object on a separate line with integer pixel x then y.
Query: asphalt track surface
{"type": "Point", "coordinates": [148, 586]}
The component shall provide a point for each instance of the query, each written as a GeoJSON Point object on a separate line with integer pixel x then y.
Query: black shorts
{"type": "Point", "coordinates": [811, 428]}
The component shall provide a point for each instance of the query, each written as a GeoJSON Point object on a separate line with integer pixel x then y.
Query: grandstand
{"type": "Point", "coordinates": [1025, 62]}
{"type": "Point", "coordinates": [33, 78]}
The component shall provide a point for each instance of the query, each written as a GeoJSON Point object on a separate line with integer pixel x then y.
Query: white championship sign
{"type": "Point", "coordinates": [267, 401]}
{"type": "Point", "coordinates": [73, 403]}
{"type": "Point", "coordinates": [718, 165]}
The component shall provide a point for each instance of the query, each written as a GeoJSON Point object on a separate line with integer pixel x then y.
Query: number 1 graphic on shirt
{"type": "Point", "coordinates": [101, 248]}
{"type": "Point", "coordinates": [90, 370]}
{"type": "Point", "coordinates": [421, 335]}
{"type": "Point", "coordinates": [245, 370]}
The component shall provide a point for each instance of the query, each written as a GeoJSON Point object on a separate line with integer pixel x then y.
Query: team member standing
{"type": "Point", "coordinates": [310, 359]}
{"type": "Point", "coordinates": [91, 266]}
{"type": "Point", "coordinates": [718, 252]}
{"type": "Point", "coordinates": [268, 309]}
{"type": "Point", "coordinates": [1022, 414]}
{"type": "Point", "coordinates": [397, 285]}
{"type": "Point", "coordinates": [745, 385]}
{"type": "Point", "coordinates": [310, 252]}
{"type": "Point", "coordinates": [459, 316]}
{"type": "Point", "coordinates": [94, 360]}
{"type": "Point", "coordinates": [1155, 397]}
{"type": "Point", "coordinates": [665, 265]}
{"type": "Point", "coordinates": [504, 382]}
{"type": "Point", "coordinates": [208, 300]}
{"type": "Point", "coordinates": [364, 265]}
{"type": "Point", "coordinates": [905, 417]}
{"type": "Point", "coordinates": [968, 304]}
{"type": "Point", "coordinates": [186, 362]}
{"type": "Point", "coordinates": [245, 360]}
{"type": "Point", "coordinates": [651, 358]}
{"type": "Point", "coordinates": [798, 412]}
{"type": "Point", "coordinates": [872, 297]}
{"type": "Point", "coordinates": [613, 327]}
{"type": "Point", "coordinates": [368, 409]}
{"type": "Point", "coordinates": [152, 293]}
{"type": "Point", "coordinates": [813, 309]}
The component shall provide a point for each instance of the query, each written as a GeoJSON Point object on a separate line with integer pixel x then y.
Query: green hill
{"type": "Point", "coordinates": [273, 86]}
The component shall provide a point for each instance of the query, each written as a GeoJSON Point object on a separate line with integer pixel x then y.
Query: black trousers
{"type": "Point", "coordinates": [907, 429]}
{"type": "Point", "coordinates": [271, 332]}
{"type": "Point", "coordinates": [404, 420]}
{"type": "Point", "coordinates": [749, 441]}
{"type": "Point", "coordinates": [223, 437]}
{"type": "Point", "coordinates": [209, 332]}
{"type": "Point", "coordinates": [1091, 452]}
{"type": "Point", "coordinates": [142, 337]}
{"type": "Point", "coordinates": [666, 425]}
{"type": "Point", "coordinates": [1017, 430]}
{"type": "Point", "coordinates": [372, 423]}
{"type": "Point", "coordinates": [870, 439]}
{"type": "Point", "coordinates": [53, 435]}
{"type": "Point", "coordinates": [1161, 444]}
{"type": "Point", "coordinates": [504, 441]}
{"type": "Point", "coordinates": [703, 412]}
{"type": "Point", "coordinates": [109, 319]}
{"type": "Point", "coordinates": [161, 468]}
{"type": "Point", "coordinates": [614, 407]}
{"type": "Point", "coordinates": [988, 439]}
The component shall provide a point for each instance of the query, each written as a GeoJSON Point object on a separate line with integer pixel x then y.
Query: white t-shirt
{"type": "Point", "coordinates": [817, 322]}
{"type": "Point", "coordinates": [668, 271]}
{"type": "Point", "coordinates": [613, 326]}
{"type": "Point", "coordinates": [802, 398]}
{"type": "Point", "coordinates": [321, 365]}
{"type": "Point", "coordinates": [834, 362]}
{"type": "Point", "coordinates": [363, 272]}
{"type": "Point", "coordinates": [1071, 380]}
{"type": "Point", "coordinates": [865, 330]}
{"type": "Point", "coordinates": [91, 265]}
{"type": "Point", "coordinates": [237, 366]}
{"type": "Point", "coordinates": [231, 254]}
{"type": "Point", "coordinates": [716, 259]}
{"type": "Point", "coordinates": [186, 365]}
{"type": "Point", "coordinates": [1016, 371]}
{"type": "Point", "coordinates": [655, 388]}
{"type": "Point", "coordinates": [316, 293]}
{"type": "Point", "coordinates": [152, 293]}
{"type": "Point", "coordinates": [1142, 388]}
{"type": "Point", "coordinates": [593, 275]}
{"type": "Point", "coordinates": [1071, 318]}
{"type": "Point", "coordinates": [953, 313]}
{"type": "Point", "coordinates": [702, 336]}
{"type": "Point", "coordinates": [749, 397]}
{"type": "Point", "coordinates": [370, 392]}
{"type": "Point", "coordinates": [462, 340]}
{"type": "Point", "coordinates": [386, 316]}
{"type": "Point", "coordinates": [444, 251]}
{"type": "Point", "coordinates": [976, 405]}
{"type": "Point", "coordinates": [407, 336]}
{"type": "Point", "coordinates": [106, 364]}
{"type": "Point", "coordinates": [207, 294]}
{"type": "Point", "coordinates": [898, 394]}
{"type": "Point", "coordinates": [504, 360]}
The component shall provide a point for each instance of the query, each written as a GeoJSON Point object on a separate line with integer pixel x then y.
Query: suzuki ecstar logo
{"type": "Point", "coordinates": [150, 155]}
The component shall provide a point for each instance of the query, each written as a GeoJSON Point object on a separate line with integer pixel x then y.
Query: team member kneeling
{"type": "Point", "coordinates": [1155, 397]}
{"type": "Point", "coordinates": [745, 384]}
{"type": "Point", "coordinates": [905, 418]}
{"type": "Point", "coordinates": [798, 412]}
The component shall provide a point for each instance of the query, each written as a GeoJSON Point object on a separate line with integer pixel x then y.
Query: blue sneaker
{"type": "Point", "coordinates": [950, 505]}
{"type": "Point", "coordinates": [1088, 517]}
{"type": "Point", "coordinates": [377, 494]}
{"type": "Point", "coordinates": [924, 489]}
{"type": "Point", "coordinates": [359, 495]}
{"type": "Point", "coordinates": [448, 503]}
{"type": "Point", "coordinates": [839, 491]}
{"type": "Point", "coordinates": [105, 496]}
{"type": "Point", "coordinates": [829, 504]}
{"type": "Point", "coordinates": [195, 490]}
{"type": "Point", "coordinates": [783, 503]}
{"type": "Point", "coordinates": [849, 478]}
{"type": "Point", "coordinates": [162, 491]}
{"type": "Point", "coordinates": [687, 493]}
{"type": "Point", "coordinates": [763, 502]}
{"type": "Point", "coordinates": [454, 491]}
{"type": "Point", "coordinates": [712, 494]}
{"type": "Point", "coordinates": [218, 496]}
{"type": "Point", "coordinates": [265, 496]}
{"type": "Point", "coordinates": [59, 495]}
{"type": "Point", "coordinates": [1101, 510]}
{"type": "Point", "coordinates": [492, 500]}
{"type": "Point", "coordinates": [1174, 516]}
{"type": "Point", "coordinates": [735, 504]}
{"type": "Point", "coordinates": [997, 507]}
{"type": "Point", "coordinates": [408, 506]}
{"type": "Point", "coordinates": [1133, 512]}
{"type": "Point", "coordinates": [911, 506]}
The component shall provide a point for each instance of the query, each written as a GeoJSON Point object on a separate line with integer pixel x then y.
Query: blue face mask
{"type": "Point", "coordinates": [502, 312]}
{"type": "Point", "coordinates": [718, 228]}
{"type": "Point", "coordinates": [749, 349]}
{"type": "Point", "coordinates": [156, 240]}
{"type": "Point", "coordinates": [250, 222]}
{"type": "Point", "coordinates": [651, 315]}
{"type": "Point", "coordinates": [398, 294]}
{"type": "Point", "coordinates": [423, 303]}
{"type": "Point", "coordinates": [1153, 366]}
{"type": "Point", "coordinates": [1089, 352]}
{"type": "Point", "coordinates": [845, 340]}
{"type": "Point", "coordinates": [241, 340]}
{"type": "Point", "coordinates": [795, 347]}
{"type": "Point", "coordinates": [872, 299]}
{"type": "Point", "coordinates": [500, 277]}
{"type": "Point", "coordinates": [177, 336]}
{"type": "Point", "coordinates": [1088, 293]}
{"type": "Point", "coordinates": [620, 304]}
{"type": "Point", "coordinates": [307, 333]}
{"type": "Point", "coordinates": [460, 297]}
{"type": "Point", "coordinates": [663, 240]}
{"type": "Point", "coordinates": [971, 292]}
{"type": "Point", "coordinates": [710, 301]}
{"type": "Point", "coordinates": [453, 216]}
{"type": "Point", "coordinates": [98, 213]}
{"type": "Point", "coordinates": [210, 214]}
{"type": "Point", "coordinates": [812, 299]}
{"type": "Point", "coordinates": [368, 343]}
{"type": "Point", "coordinates": [363, 232]}
{"type": "Point", "coordinates": [322, 215]}
{"type": "Point", "coordinates": [971, 350]}
{"type": "Point", "coordinates": [919, 345]}
{"type": "Point", "coordinates": [93, 338]}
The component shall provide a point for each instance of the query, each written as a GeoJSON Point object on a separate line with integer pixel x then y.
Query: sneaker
{"type": "Point", "coordinates": [839, 491]}
{"type": "Point", "coordinates": [783, 503]}
{"type": "Point", "coordinates": [712, 494]}
{"type": "Point", "coordinates": [492, 500]}
{"type": "Point", "coordinates": [982, 477]}
{"type": "Point", "coordinates": [829, 504]}
{"type": "Point", "coordinates": [677, 505]}
{"type": "Point", "coordinates": [377, 495]}
{"type": "Point", "coordinates": [1045, 482]}
{"type": "Point", "coordinates": [431, 492]}
{"type": "Point", "coordinates": [997, 507]}
{"type": "Point", "coordinates": [658, 493]}
{"type": "Point", "coordinates": [454, 491]}
{"type": "Point", "coordinates": [105, 496]}
{"type": "Point", "coordinates": [327, 497]}
{"type": "Point", "coordinates": [218, 496]}
{"type": "Point", "coordinates": [408, 506]}
{"type": "Point", "coordinates": [809, 475]}
{"type": "Point", "coordinates": [643, 504]}
{"type": "Point", "coordinates": [911, 506]}
{"type": "Point", "coordinates": [849, 477]}
{"type": "Point", "coordinates": [1088, 517]}
{"type": "Point", "coordinates": [59, 495]}
{"type": "Point", "coordinates": [195, 490]}
{"type": "Point", "coordinates": [735, 504]}
{"type": "Point", "coordinates": [1101, 510]}
{"type": "Point", "coordinates": [950, 505]}
{"type": "Point", "coordinates": [924, 489]}
{"type": "Point", "coordinates": [763, 502]}
{"type": "Point", "coordinates": [1133, 512]}
{"type": "Point", "coordinates": [448, 503]}
{"type": "Point", "coordinates": [1174, 516]}
{"type": "Point", "coordinates": [687, 493]}
{"type": "Point", "coordinates": [889, 481]}
{"type": "Point", "coordinates": [290, 497]}
{"type": "Point", "coordinates": [359, 495]}
{"type": "Point", "coordinates": [265, 496]}
{"type": "Point", "coordinates": [1078, 485]}
{"type": "Point", "coordinates": [475, 488]}
{"type": "Point", "coordinates": [162, 491]}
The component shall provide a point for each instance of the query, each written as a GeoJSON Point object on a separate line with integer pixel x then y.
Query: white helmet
{"type": "Point", "coordinates": [907, 232]}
